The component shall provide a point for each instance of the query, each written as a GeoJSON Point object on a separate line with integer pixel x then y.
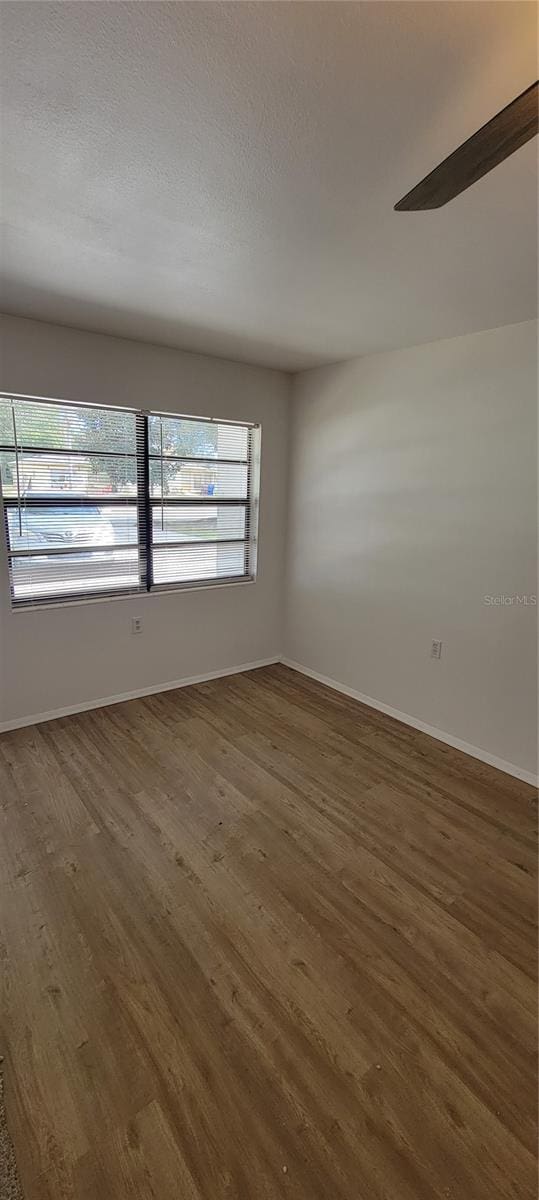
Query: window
{"type": "Point", "coordinates": [102, 501]}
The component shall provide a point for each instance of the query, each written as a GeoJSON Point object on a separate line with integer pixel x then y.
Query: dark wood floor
{"type": "Point", "coordinates": [262, 942]}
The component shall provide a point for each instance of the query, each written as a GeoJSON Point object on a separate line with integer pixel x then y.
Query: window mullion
{"type": "Point", "coordinates": [144, 508]}
{"type": "Point", "coordinates": [248, 505]}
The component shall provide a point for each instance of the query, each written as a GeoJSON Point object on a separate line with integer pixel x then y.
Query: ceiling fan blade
{"type": "Point", "coordinates": [496, 140]}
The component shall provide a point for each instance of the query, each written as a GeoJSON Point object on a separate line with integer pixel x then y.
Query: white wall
{"type": "Point", "coordinates": [66, 656]}
{"type": "Point", "coordinates": [413, 496]}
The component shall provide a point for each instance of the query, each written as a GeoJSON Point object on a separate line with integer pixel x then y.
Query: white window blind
{"type": "Point", "coordinates": [199, 477]}
{"type": "Point", "coordinates": [104, 501]}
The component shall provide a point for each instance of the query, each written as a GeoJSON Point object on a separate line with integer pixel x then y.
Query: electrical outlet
{"type": "Point", "coordinates": [436, 649]}
{"type": "Point", "coordinates": [136, 624]}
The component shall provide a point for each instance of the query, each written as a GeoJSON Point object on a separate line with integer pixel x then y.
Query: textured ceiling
{"type": "Point", "coordinates": [221, 177]}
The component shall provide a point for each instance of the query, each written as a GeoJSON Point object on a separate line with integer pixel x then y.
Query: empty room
{"type": "Point", "coordinates": [268, 600]}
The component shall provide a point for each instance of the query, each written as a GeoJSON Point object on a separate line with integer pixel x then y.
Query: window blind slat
{"type": "Point", "coordinates": [186, 438]}
{"type": "Point", "coordinates": [191, 563]}
{"type": "Point", "coordinates": [184, 479]}
{"type": "Point", "coordinates": [67, 526]}
{"type": "Point", "coordinates": [175, 523]}
{"type": "Point", "coordinates": [58, 426]}
{"type": "Point", "coordinates": [47, 575]}
{"type": "Point", "coordinates": [43, 474]}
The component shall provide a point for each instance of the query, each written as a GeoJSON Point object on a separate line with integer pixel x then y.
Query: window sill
{"type": "Point", "coordinates": [163, 590]}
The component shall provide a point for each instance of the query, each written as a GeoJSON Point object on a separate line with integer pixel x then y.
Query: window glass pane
{"type": "Point", "coordinates": [190, 480]}
{"type": "Point", "coordinates": [192, 563]}
{"type": "Point", "coordinates": [190, 524]}
{"type": "Point", "coordinates": [48, 575]}
{"type": "Point", "coordinates": [57, 426]}
{"type": "Point", "coordinates": [66, 526]}
{"type": "Point", "coordinates": [197, 439]}
{"type": "Point", "coordinates": [65, 474]}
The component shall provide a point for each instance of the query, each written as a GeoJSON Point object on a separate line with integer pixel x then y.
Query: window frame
{"type": "Point", "coordinates": [144, 504]}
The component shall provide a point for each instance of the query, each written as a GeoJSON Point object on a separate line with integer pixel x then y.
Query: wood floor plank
{"type": "Point", "coordinates": [259, 941]}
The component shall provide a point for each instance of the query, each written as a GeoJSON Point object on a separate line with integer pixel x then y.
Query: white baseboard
{"type": "Point", "coordinates": [474, 751]}
{"type": "Point", "coordinates": [38, 718]}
